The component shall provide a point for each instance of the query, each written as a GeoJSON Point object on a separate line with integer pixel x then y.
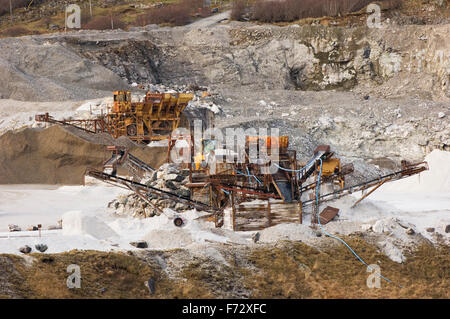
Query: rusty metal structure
{"type": "Point", "coordinates": [258, 191]}
{"type": "Point", "coordinates": [155, 118]}
{"type": "Point", "coordinates": [90, 126]}
{"type": "Point", "coordinates": [277, 180]}
{"type": "Point", "coordinates": [122, 158]}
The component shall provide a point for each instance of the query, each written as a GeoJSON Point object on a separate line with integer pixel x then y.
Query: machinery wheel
{"type": "Point", "coordinates": [131, 130]}
{"type": "Point", "coordinates": [178, 222]}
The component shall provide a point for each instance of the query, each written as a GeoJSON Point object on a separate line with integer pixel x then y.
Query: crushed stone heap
{"type": "Point", "coordinates": [170, 178]}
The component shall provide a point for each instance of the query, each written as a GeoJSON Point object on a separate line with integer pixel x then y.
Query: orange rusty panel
{"type": "Point", "coordinates": [327, 215]}
{"type": "Point", "coordinates": [268, 141]}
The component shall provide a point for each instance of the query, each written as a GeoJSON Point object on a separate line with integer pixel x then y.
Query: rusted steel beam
{"type": "Point", "coordinates": [371, 191]}
{"type": "Point", "coordinates": [390, 177]}
{"type": "Point", "coordinates": [138, 192]}
{"type": "Point", "coordinates": [246, 191]}
{"type": "Point", "coordinates": [88, 125]}
{"type": "Point", "coordinates": [145, 188]}
{"type": "Point", "coordinates": [277, 188]}
{"type": "Point", "coordinates": [233, 212]}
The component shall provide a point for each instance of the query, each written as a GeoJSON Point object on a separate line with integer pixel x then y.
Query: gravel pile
{"type": "Point", "coordinates": [169, 178]}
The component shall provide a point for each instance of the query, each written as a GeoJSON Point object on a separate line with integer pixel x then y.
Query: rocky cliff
{"type": "Point", "coordinates": [392, 60]}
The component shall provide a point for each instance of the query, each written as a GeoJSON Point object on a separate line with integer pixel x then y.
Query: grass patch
{"type": "Point", "coordinates": [104, 275]}
{"type": "Point", "coordinates": [296, 270]}
{"type": "Point", "coordinates": [214, 281]}
{"type": "Point", "coordinates": [284, 270]}
{"type": "Point", "coordinates": [15, 31]}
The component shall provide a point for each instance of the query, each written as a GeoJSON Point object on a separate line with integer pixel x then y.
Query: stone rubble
{"type": "Point", "coordinates": [13, 228]}
{"type": "Point", "coordinates": [395, 237]}
{"type": "Point", "coordinates": [41, 247]}
{"type": "Point", "coordinates": [169, 178]}
{"type": "Point", "coordinates": [25, 249]}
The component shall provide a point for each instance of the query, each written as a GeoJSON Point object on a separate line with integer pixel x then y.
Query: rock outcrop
{"type": "Point", "coordinates": [81, 64]}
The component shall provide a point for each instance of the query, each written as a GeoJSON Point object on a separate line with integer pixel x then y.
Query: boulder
{"type": "Point", "coordinates": [173, 177]}
{"type": "Point", "coordinates": [25, 249]}
{"type": "Point", "coordinates": [171, 185]}
{"type": "Point", "coordinates": [183, 191]}
{"type": "Point", "coordinates": [13, 228]}
{"type": "Point", "coordinates": [179, 206]}
{"type": "Point", "coordinates": [184, 172]}
{"type": "Point", "coordinates": [41, 247]}
{"type": "Point", "coordinates": [139, 244]}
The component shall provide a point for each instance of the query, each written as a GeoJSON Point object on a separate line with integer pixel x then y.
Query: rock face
{"type": "Point", "coordinates": [35, 69]}
{"type": "Point", "coordinates": [249, 60]}
{"type": "Point", "coordinates": [410, 138]}
{"type": "Point", "coordinates": [237, 54]}
{"type": "Point", "coordinates": [305, 58]}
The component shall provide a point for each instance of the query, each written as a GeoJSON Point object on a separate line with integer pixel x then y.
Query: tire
{"type": "Point", "coordinates": [132, 130]}
{"type": "Point", "coordinates": [178, 222]}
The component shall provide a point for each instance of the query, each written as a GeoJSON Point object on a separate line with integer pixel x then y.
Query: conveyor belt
{"type": "Point", "coordinates": [310, 167]}
{"type": "Point", "coordinates": [409, 171]}
{"type": "Point", "coordinates": [135, 186]}
{"type": "Point", "coordinates": [138, 163]}
{"type": "Point", "coordinates": [133, 164]}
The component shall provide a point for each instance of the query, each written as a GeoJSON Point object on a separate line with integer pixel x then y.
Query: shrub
{"type": "Point", "coordinates": [238, 9]}
{"type": "Point", "coordinates": [103, 23]}
{"type": "Point", "coordinates": [176, 13]}
{"type": "Point", "coordinates": [291, 10]}
{"type": "Point", "coordinates": [4, 5]}
{"type": "Point", "coordinates": [15, 31]}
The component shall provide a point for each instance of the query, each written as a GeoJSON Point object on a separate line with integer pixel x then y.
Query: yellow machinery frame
{"type": "Point", "coordinates": [153, 119]}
